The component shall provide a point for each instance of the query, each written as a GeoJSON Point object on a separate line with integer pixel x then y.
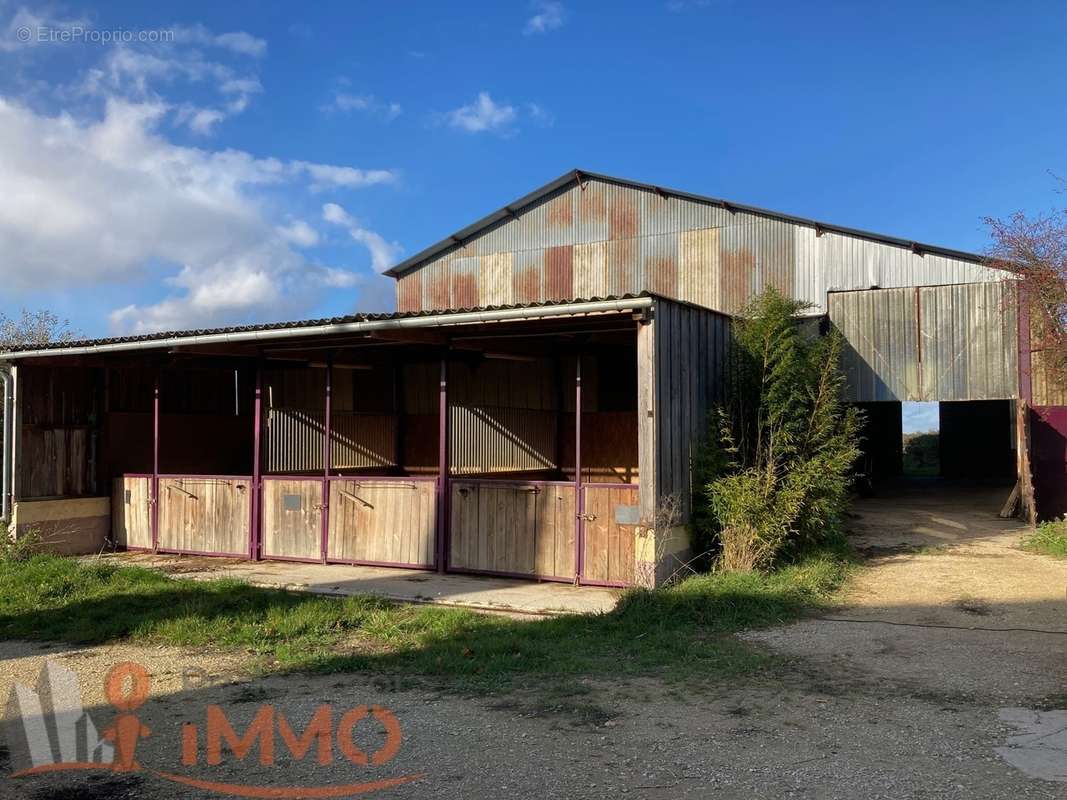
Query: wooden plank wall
{"type": "Point", "coordinates": [609, 552]}
{"type": "Point", "coordinates": [206, 515]}
{"type": "Point", "coordinates": [131, 512]}
{"type": "Point", "coordinates": [513, 527]}
{"type": "Point", "coordinates": [682, 357]}
{"type": "Point", "coordinates": [58, 408]}
{"type": "Point", "coordinates": [292, 518]}
{"type": "Point", "coordinates": [384, 521]}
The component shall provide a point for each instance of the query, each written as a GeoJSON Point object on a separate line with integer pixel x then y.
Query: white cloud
{"type": "Point", "coordinates": [325, 176]}
{"type": "Point", "coordinates": [383, 254]}
{"type": "Point", "coordinates": [540, 115]}
{"type": "Point", "coordinates": [550, 16]}
{"type": "Point", "coordinates": [239, 42]}
{"type": "Point", "coordinates": [108, 200]}
{"type": "Point", "coordinates": [32, 28]}
{"type": "Point", "coordinates": [137, 71]}
{"type": "Point", "coordinates": [299, 233]}
{"type": "Point", "coordinates": [368, 103]}
{"type": "Point", "coordinates": [482, 115]}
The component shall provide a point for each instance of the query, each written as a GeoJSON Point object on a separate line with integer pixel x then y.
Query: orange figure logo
{"type": "Point", "coordinates": [127, 729]}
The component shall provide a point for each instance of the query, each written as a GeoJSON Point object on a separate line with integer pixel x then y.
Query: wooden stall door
{"type": "Point", "coordinates": [611, 517]}
{"type": "Point", "coordinates": [131, 512]}
{"type": "Point", "coordinates": [382, 521]}
{"type": "Point", "coordinates": [514, 528]}
{"type": "Point", "coordinates": [204, 515]}
{"type": "Point", "coordinates": [292, 518]}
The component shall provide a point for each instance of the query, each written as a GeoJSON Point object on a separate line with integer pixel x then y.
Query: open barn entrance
{"type": "Point", "coordinates": [940, 455]}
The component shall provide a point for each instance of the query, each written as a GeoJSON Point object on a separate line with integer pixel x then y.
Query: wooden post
{"type": "Point", "coordinates": [257, 483]}
{"type": "Point", "coordinates": [326, 458]}
{"type": "Point", "coordinates": [647, 454]}
{"type": "Point", "coordinates": [442, 470]}
{"type": "Point", "coordinates": [579, 499]}
{"type": "Point", "coordinates": [155, 461]}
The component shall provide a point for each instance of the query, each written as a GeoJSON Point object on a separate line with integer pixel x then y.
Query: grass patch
{"type": "Point", "coordinates": [1050, 538]}
{"type": "Point", "coordinates": [680, 632]}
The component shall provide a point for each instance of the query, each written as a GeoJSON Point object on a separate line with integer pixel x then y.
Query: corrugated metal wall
{"type": "Point", "coordinates": [610, 239]}
{"type": "Point", "coordinates": [957, 342]}
{"type": "Point", "coordinates": [503, 416]}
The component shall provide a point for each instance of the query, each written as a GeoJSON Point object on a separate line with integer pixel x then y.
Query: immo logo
{"type": "Point", "coordinates": [50, 731]}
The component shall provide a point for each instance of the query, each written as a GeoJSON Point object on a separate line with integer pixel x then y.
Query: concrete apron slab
{"type": "Point", "coordinates": [477, 592]}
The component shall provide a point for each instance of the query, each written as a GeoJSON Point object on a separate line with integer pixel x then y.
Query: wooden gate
{"type": "Point", "coordinates": [204, 515]}
{"type": "Point", "coordinates": [131, 512]}
{"type": "Point", "coordinates": [513, 528]}
{"type": "Point", "coordinates": [384, 521]}
{"type": "Point", "coordinates": [292, 518]}
{"type": "Point", "coordinates": [611, 514]}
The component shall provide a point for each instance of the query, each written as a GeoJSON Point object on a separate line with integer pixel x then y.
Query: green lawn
{"type": "Point", "coordinates": [1050, 538]}
{"type": "Point", "coordinates": [681, 632]}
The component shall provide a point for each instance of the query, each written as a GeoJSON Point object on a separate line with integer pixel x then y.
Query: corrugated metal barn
{"type": "Point", "coordinates": [531, 409]}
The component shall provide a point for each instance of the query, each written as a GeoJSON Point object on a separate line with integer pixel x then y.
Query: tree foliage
{"type": "Point", "coordinates": [1035, 249]}
{"type": "Point", "coordinates": [33, 328]}
{"type": "Point", "coordinates": [775, 471]}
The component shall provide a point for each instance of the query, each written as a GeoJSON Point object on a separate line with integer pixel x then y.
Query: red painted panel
{"type": "Point", "coordinates": [1048, 459]}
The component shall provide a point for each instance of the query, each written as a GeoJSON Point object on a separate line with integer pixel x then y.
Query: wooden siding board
{"type": "Point", "coordinates": [513, 527]}
{"type": "Point", "coordinates": [131, 516]}
{"type": "Point", "coordinates": [202, 514]}
{"type": "Point", "coordinates": [292, 532]}
{"type": "Point", "coordinates": [382, 520]}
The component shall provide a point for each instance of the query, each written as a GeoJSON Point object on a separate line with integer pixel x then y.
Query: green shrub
{"type": "Point", "coordinates": [18, 549]}
{"type": "Point", "coordinates": [774, 474]}
{"type": "Point", "coordinates": [1050, 538]}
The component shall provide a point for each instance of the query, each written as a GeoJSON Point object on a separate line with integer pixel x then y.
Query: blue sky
{"type": "Point", "coordinates": [265, 164]}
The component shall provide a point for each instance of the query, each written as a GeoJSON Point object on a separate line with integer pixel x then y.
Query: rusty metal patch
{"type": "Point", "coordinates": [409, 291]}
{"type": "Point", "coordinates": [622, 224]}
{"type": "Point", "coordinates": [559, 273]}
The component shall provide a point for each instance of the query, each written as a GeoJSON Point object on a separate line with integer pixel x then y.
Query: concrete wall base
{"type": "Point", "coordinates": [66, 526]}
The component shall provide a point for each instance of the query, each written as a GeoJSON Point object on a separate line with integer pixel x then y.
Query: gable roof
{"type": "Point", "coordinates": [516, 206]}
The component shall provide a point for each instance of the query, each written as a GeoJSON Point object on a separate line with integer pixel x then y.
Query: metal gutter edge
{"type": "Point", "coordinates": [270, 334]}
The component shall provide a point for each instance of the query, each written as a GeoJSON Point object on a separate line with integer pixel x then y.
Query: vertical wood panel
{"type": "Point", "coordinates": [207, 515]}
{"type": "Point", "coordinates": [517, 528]}
{"type": "Point", "coordinates": [386, 521]}
{"type": "Point", "coordinates": [131, 521]}
{"type": "Point", "coordinates": [609, 544]}
{"type": "Point", "coordinates": [292, 518]}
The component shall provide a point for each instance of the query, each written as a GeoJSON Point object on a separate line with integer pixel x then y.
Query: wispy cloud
{"type": "Point", "coordinates": [383, 253]}
{"type": "Point", "coordinates": [366, 103]}
{"type": "Point", "coordinates": [25, 28]}
{"type": "Point", "coordinates": [484, 114]}
{"type": "Point", "coordinates": [549, 16]}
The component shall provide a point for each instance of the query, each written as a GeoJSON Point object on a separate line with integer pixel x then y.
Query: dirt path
{"type": "Point", "coordinates": [856, 709]}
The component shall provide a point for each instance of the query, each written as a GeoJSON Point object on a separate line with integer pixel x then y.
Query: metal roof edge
{"type": "Point", "coordinates": [511, 209]}
{"type": "Point", "coordinates": [337, 325]}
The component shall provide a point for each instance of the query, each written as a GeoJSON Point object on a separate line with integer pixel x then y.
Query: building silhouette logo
{"type": "Point", "coordinates": [49, 730]}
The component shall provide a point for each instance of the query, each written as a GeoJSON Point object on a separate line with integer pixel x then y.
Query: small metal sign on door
{"type": "Point", "coordinates": [627, 515]}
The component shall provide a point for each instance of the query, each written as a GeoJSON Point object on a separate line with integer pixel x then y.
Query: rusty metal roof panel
{"type": "Point", "coordinates": [594, 216]}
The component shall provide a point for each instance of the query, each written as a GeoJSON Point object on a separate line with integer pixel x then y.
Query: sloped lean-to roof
{"type": "Point", "coordinates": [355, 324]}
{"type": "Point", "coordinates": [513, 208]}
